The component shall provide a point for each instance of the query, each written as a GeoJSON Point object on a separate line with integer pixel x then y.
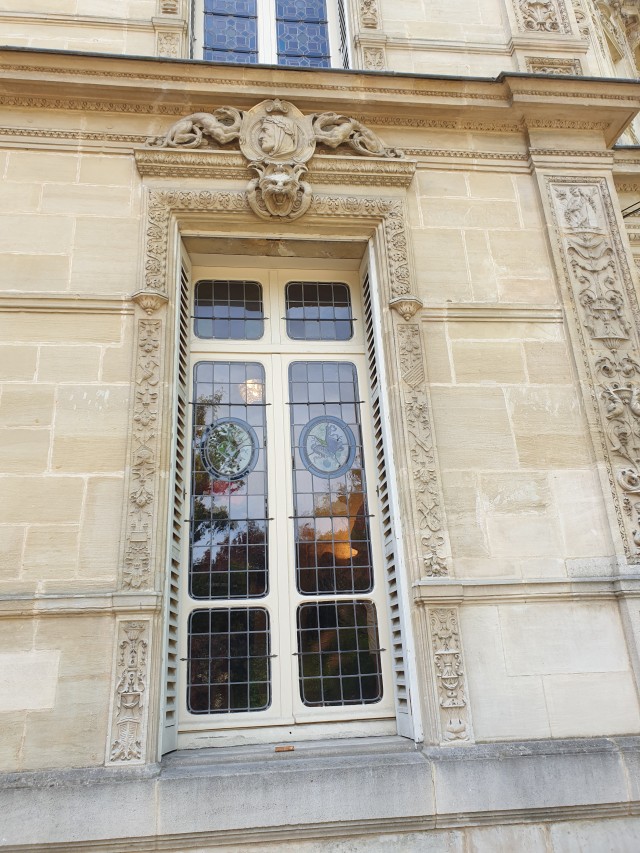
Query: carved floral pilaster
{"type": "Point", "coordinates": [448, 667]}
{"type": "Point", "coordinates": [129, 703]}
{"type": "Point", "coordinates": [143, 469]}
{"type": "Point", "coordinates": [606, 316]}
{"type": "Point", "coordinates": [425, 482]}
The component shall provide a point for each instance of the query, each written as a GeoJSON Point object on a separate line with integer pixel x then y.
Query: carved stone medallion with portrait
{"type": "Point", "coordinates": [277, 131]}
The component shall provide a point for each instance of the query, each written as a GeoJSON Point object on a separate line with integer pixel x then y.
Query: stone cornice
{"type": "Point", "coordinates": [57, 604]}
{"type": "Point", "coordinates": [231, 165]}
{"type": "Point", "coordinates": [101, 83]}
{"type": "Point", "coordinates": [63, 303]}
{"type": "Point", "coordinates": [452, 591]}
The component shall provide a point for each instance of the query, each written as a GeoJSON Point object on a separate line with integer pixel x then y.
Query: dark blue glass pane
{"type": "Point", "coordinates": [231, 7]}
{"type": "Point", "coordinates": [302, 10]}
{"type": "Point", "coordinates": [229, 56]}
{"type": "Point", "coordinates": [230, 34]}
{"type": "Point", "coordinates": [310, 40]}
{"type": "Point", "coordinates": [304, 62]}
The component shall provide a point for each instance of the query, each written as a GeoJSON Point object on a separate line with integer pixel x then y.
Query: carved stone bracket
{"type": "Point", "coordinates": [542, 16]}
{"type": "Point", "coordinates": [277, 140]}
{"type": "Point", "coordinates": [129, 703]}
{"type": "Point", "coordinates": [150, 300]}
{"type": "Point", "coordinates": [406, 307]}
{"type": "Point", "coordinates": [143, 466]}
{"type": "Point", "coordinates": [606, 315]}
{"type": "Point", "coordinates": [425, 482]}
{"type": "Point", "coordinates": [448, 666]}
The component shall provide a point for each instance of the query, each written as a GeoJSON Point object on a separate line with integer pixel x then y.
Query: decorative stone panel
{"type": "Point", "coordinates": [553, 65]}
{"type": "Point", "coordinates": [129, 702]}
{"type": "Point", "coordinates": [606, 319]}
{"type": "Point", "coordinates": [449, 675]}
{"type": "Point", "coordinates": [542, 16]}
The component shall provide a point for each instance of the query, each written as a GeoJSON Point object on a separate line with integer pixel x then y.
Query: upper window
{"type": "Point", "coordinates": [299, 33]}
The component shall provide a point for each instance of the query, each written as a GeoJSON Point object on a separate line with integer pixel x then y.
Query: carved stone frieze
{"type": "Point", "coordinates": [129, 711]}
{"type": "Point", "coordinates": [542, 16]}
{"type": "Point", "coordinates": [368, 13]}
{"type": "Point", "coordinates": [582, 18]}
{"type": "Point", "coordinates": [137, 557]}
{"type": "Point", "coordinates": [277, 140]}
{"type": "Point", "coordinates": [162, 203]}
{"type": "Point", "coordinates": [425, 483]}
{"type": "Point", "coordinates": [553, 65]}
{"type": "Point", "coordinates": [607, 315]}
{"type": "Point", "coordinates": [447, 658]}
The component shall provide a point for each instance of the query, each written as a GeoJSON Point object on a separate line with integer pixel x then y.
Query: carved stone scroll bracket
{"type": "Point", "coordinates": [150, 300]}
{"type": "Point", "coordinates": [447, 661]}
{"type": "Point", "coordinates": [130, 695]}
{"type": "Point", "coordinates": [142, 486]}
{"type": "Point", "coordinates": [425, 487]}
{"type": "Point", "coordinates": [605, 319]}
{"type": "Point", "coordinates": [406, 306]}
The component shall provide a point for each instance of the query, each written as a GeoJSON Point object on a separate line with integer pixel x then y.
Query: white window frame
{"type": "Point", "coordinates": [267, 40]}
{"type": "Point", "coordinates": [287, 718]}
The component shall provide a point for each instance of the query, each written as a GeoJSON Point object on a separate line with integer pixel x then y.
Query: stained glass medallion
{"type": "Point", "coordinates": [327, 446]}
{"type": "Point", "coordinates": [229, 448]}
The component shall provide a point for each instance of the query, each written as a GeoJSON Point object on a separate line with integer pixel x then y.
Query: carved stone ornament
{"type": "Point", "coordinates": [368, 12]}
{"type": "Point", "coordinates": [450, 678]}
{"type": "Point", "coordinates": [149, 300]}
{"type": "Point", "coordinates": [277, 140]}
{"type": "Point", "coordinates": [129, 703]}
{"type": "Point", "coordinates": [406, 306]}
{"type": "Point", "coordinates": [553, 65]}
{"type": "Point", "coordinates": [607, 317]}
{"type": "Point", "coordinates": [136, 573]}
{"type": "Point", "coordinates": [542, 16]}
{"type": "Point", "coordinates": [425, 483]}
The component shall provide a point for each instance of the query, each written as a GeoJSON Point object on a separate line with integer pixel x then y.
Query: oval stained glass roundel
{"type": "Point", "coordinates": [229, 449]}
{"type": "Point", "coordinates": [327, 446]}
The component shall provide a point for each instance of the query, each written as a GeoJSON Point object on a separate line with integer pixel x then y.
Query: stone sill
{"type": "Point", "coordinates": [328, 789]}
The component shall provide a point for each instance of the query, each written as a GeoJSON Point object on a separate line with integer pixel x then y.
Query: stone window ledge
{"type": "Point", "coordinates": [325, 789]}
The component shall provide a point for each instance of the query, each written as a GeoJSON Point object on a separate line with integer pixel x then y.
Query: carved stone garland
{"type": "Point", "coordinates": [542, 16]}
{"type": "Point", "coordinates": [427, 493]}
{"type": "Point", "coordinates": [446, 648]}
{"type": "Point", "coordinates": [129, 711]}
{"type": "Point", "coordinates": [607, 316]}
{"type": "Point", "coordinates": [278, 141]}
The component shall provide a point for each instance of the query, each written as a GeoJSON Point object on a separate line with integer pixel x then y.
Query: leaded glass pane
{"type": "Point", "coordinates": [331, 516]}
{"type": "Point", "coordinates": [318, 311]}
{"type": "Point", "coordinates": [339, 653]}
{"type": "Point", "coordinates": [302, 10]}
{"type": "Point", "coordinates": [229, 534]}
{"type": "Point", "coordinates": [302, 33]}
{"type": "Point", "coordinates": [229, 310]}
{"type": "Point", "coordinates": [231, 31]}
{"type": "Point", "coordinates": [228, 661]}
{"type": "Point", "coordinates": [297, 39]}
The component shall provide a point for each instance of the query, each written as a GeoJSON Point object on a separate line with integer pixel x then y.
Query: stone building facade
{"type": "Point", "coordinates": [449, 189]}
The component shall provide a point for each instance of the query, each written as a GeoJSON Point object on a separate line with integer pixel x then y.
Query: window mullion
{"type": "Point", "coordinates": [267, 42]}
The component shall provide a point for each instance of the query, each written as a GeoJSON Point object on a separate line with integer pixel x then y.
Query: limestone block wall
{"type": "Point", "coordinates": [68, 252]}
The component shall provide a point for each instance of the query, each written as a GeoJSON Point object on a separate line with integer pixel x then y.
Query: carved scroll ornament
{"type": "Point", "coordinates": [277, 140]}
{"type": "Point", "coordinates": [607, 314]}
{"type": "Point", "coordinates": [542, 16]}
{"type": "Point", "coordinates": [129, 711]}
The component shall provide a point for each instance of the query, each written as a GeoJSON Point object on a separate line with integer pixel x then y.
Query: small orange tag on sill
{"type": "Point", "coordinates": [284, 748]}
